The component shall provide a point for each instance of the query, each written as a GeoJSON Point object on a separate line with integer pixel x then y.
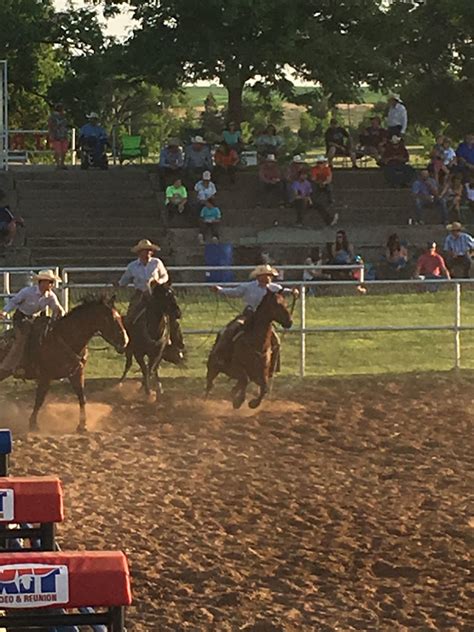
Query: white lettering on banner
{"type": "Point", "coordinates": [7, 504]}
{"type": "Point", "coordinates": [33, 585]}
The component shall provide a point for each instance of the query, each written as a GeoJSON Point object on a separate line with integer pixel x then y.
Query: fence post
{"type": "Point", "coordinates": [73, 147]}
{"type": "Point", "coordinates": [65, 291]}
{"type": "Point", "coordinates": [457, 325]}
{"type": "Point", "coordinates": [302, 331]}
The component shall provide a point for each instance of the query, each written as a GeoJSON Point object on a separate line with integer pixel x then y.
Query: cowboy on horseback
{"type": "Point", "coordinates": [29, 304]}
{"type": "Point", "coordinates": [145, 272]}
{"type": "Point", "coordinates": [252, 293]}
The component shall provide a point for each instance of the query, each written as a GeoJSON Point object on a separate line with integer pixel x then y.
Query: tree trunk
{"type": "Point", "coordinates": [234, 103]}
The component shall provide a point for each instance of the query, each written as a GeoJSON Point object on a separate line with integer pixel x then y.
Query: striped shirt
{"type": "Point", "coordinates": [141, 275]}
{"type": "Point", "coordinates": [31, 302]}
{"type": "Point", "coordinates": [459, 245]}
{"type": "Point", "coordinates": [252, 293]}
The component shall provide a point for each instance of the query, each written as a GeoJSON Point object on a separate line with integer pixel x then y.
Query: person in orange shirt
{"type": "Point", "coordinates": [321, 177]}
{"type": "Point", "coordinates": [226, 159]}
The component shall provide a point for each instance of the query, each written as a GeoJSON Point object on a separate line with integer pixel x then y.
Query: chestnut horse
{"type": "Point", "coordinates": [63, 351]}
{"type": "Point", "coordinates": [252, 351]}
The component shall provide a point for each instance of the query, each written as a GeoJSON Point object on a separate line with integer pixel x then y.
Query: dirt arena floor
{"type": "Point", "coordinates": [341, 505]}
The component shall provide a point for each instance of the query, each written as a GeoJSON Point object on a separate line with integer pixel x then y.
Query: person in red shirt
{"type": "Point", "coordinates": [226, 159]}
{"type": "Point", "coordinates": [431, 265]}
{"type": "Point", "coordinates": [321, 177]}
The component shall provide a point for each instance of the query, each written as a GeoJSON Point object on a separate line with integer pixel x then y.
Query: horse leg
{"type": "Point", "coordinates": [42, 388]}
{"type": "Point", "coordinates": [128, 363]}
{"type": "Point", "coordinates": [159, 386]}
{"type": "Point", "coordinates": [254, 403]}
{"type": "Point", "coordinates": [77, 383]}
{"type": "Point", "coordinates": [212, 372]}
{"type": "Point", "coordinates": [239, 391]}
{"type": "Point", "coordinates": [145, 372]}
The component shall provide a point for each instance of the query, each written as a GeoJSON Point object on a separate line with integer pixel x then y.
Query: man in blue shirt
{"type": "Point", "coordinates": [465, 154]}
{"type": "Point", "coordinates": [458, 246]}
{"type": "Point", "coordinates": [93, 139]}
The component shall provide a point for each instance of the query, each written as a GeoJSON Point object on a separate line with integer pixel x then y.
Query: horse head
{"type": "Point", "coordinates": [163, 299]}
{"type": "Point", "coordinates": [110, 325]}
{"type": "Point", "coordinates": [277, 308]}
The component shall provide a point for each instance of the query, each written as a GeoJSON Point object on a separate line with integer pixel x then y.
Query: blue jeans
{"type": "Point", "coordinates": [441, 203]}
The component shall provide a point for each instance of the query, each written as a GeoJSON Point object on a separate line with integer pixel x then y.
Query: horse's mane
{"type": "Point", "coordinates": [87, 301]}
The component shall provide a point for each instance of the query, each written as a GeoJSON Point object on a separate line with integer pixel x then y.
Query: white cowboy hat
{"type": "Point", "coordinates": [321, 158]}
{"type": "Point", "coordinates": [206, 175]}
{"type": "Point", "coordinates": [145, 244]}
{"type": "Point", "coordinates": [47, 275]}
{"type": "Point", "coordinates": [92, 115]}
{"type": "Point", "coordinates": [395, 96]}
{"type": "Point", "coordinates": [270, 158]}
{"type": "Point", "coordinates": [297, 158]}
{"type": "Point", "coordinates": [454, 226]}
{"type": "Point", "coordinates": [395, 139]}
{"type": "Point", "coordinates": [265, 268]}
{"type": "Point", "coordinates": [199, 140]}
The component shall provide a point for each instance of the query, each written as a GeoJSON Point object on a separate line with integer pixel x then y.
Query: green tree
{"type": "Point", "coordinates": [237, 41]}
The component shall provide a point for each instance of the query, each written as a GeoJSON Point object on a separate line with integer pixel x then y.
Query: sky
{"type": "Point", "coordinates": [117, 27]}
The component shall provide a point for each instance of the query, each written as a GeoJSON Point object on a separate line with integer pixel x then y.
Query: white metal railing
{"type": "Point", "coordinates": [302, 330]}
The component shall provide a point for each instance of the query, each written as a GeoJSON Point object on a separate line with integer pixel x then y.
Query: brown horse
{"type": "Point", "coordinates": [252, 351]}
{"type": "Point", "coordinates": [63, 351]}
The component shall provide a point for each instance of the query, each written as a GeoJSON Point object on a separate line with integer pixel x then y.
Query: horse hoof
{"type": "Point", "coordinates": [81, 429]}
{"type": "Point", "coordinates": [254, 403]}
{"type": "Point", "coordinates": [238, 401]}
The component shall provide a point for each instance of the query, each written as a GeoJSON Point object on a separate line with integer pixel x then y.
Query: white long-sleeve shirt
{"type": "Point", "coordinates": [397, 115]}
{"type": "Point", "coordinates": [141, 275]}
{"type": "Point", "coordinates": [31, 302]}
{"type": "Point", "coordinates": [251, 292]}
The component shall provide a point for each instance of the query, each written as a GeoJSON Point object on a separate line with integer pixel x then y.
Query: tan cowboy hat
{"type": "Point", "coordinates": [270, 158]}
{"type": "Point", "coordinates": [265, 268]}
{"type": "Point", "coordinates": [145, 244]}
{"type": "Point", "coordinates": [454, 226]}
{"type": "Point", "coordinates": [47, 275]}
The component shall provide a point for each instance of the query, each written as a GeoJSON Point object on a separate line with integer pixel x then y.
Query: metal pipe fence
{"type": "Point", "coordinates": [302, 329]}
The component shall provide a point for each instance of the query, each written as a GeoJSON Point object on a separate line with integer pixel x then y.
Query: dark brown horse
{"type": "Point", "coordinates": [150, 335]}
{"type": "Point", "coordinates": [252, 351]}
{"type": "Point", "coordinates": [63, 352]}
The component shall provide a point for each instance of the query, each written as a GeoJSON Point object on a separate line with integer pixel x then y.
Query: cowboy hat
{"type": "Point", "coordinates": [145, 244]}
{"type": "Point", "coordinates": [270, 158]}
{"type": "Point", "coordinates": [395, 96]}
{"type": "Point", "coordinates": [199, 140]}
{"type": "Point", "coordinates": [206, 175]}
{"type": "Point", "coordinates": [395, 139]}
{"type": "Point", "coordinates": [297, 158]}
{"type": "Point", "coordinates": [321, 158]}
{"type": "Point", "coordinates": [265, 268]}
{"type": "Point", "coordinates": [47, 275]}
{"type": "Point", "coordinates": [454, 226]}
{"type": "Point", "coordinates": [92, 115]}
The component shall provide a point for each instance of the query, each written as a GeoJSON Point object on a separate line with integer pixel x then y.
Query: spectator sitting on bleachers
{"type": "Point", "coordinates": [449, 154]}
{"type": "Point", "coordinates": [457, 247]}
{"type": "Point", "coordinates": [373, 139]}
{"type": "Point", "coordinates": [270, 175]}
{"type": "Point", "coordinates": [469, 189]}
{"type": "Point", "coordinates": [296, 166]}
{"type": "Point", "coordinates": [465, 155]}
{"type": "Point", "coordinates": [314, 274]}
{"type": "Point", "coordinates": [436, 166]}
{"type": "Point", "coordinates": [197, 158]}
{"type": "Point", "coordinates": [452, 192]}
{"type": "Point", "coordinates": [302, 191]}
{"type": "Point", "coordinates": [342, 251]}
{"type": "Point", "coordinates": [205, 189]}
{"type": "Point", "coordinates": [426, 193]}
{"type": "Point", "coordinates": [397, 116]}
{"type": "Point", "coordinates": [8, 223]}
{"type": "Point", "coordinates": [431, 265]}
{"type": "Point", "coordinates": [176, 196]}
{"type": "Point", "coordinates": [171, 162]}
{"type": "Point", "coordinates": [338, 143]}
{"type": "Point", "coordinates": [396, 253]}
{"type": "Point", "coordinates": [268, 142]}
{"type": "Point", "coordinates": [233, 137]}
{"type": "Point", "coordinates": [323, 198]}
{"type": "Point", "coordinates": [397, 171]}
{"type": "Point", "coordinates": [226, 159]}
{"type": "Point", "coordinates": [210, 218]}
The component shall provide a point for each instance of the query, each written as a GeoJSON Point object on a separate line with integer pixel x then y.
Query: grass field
{"type": "Point", "coordinates": [332, 354]}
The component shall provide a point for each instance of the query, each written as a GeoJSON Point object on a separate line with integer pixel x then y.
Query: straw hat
{"type": "Point", "coordinates": [263, 269]}
{"type": "Point", "coordinates": [454, 226]}
{"type": "Point", "coordinates": [297, 159]}
{"type": "Point", "coordinates": [145, 244]}
{"type": "Point", "coordinates": [47, 275]}
{"type": "Point", "coordinates": [92, 115]}
{"type": "Point", "coordinates": [270, 158]}
{"type": "Point", "coordinates": [198, 140]}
